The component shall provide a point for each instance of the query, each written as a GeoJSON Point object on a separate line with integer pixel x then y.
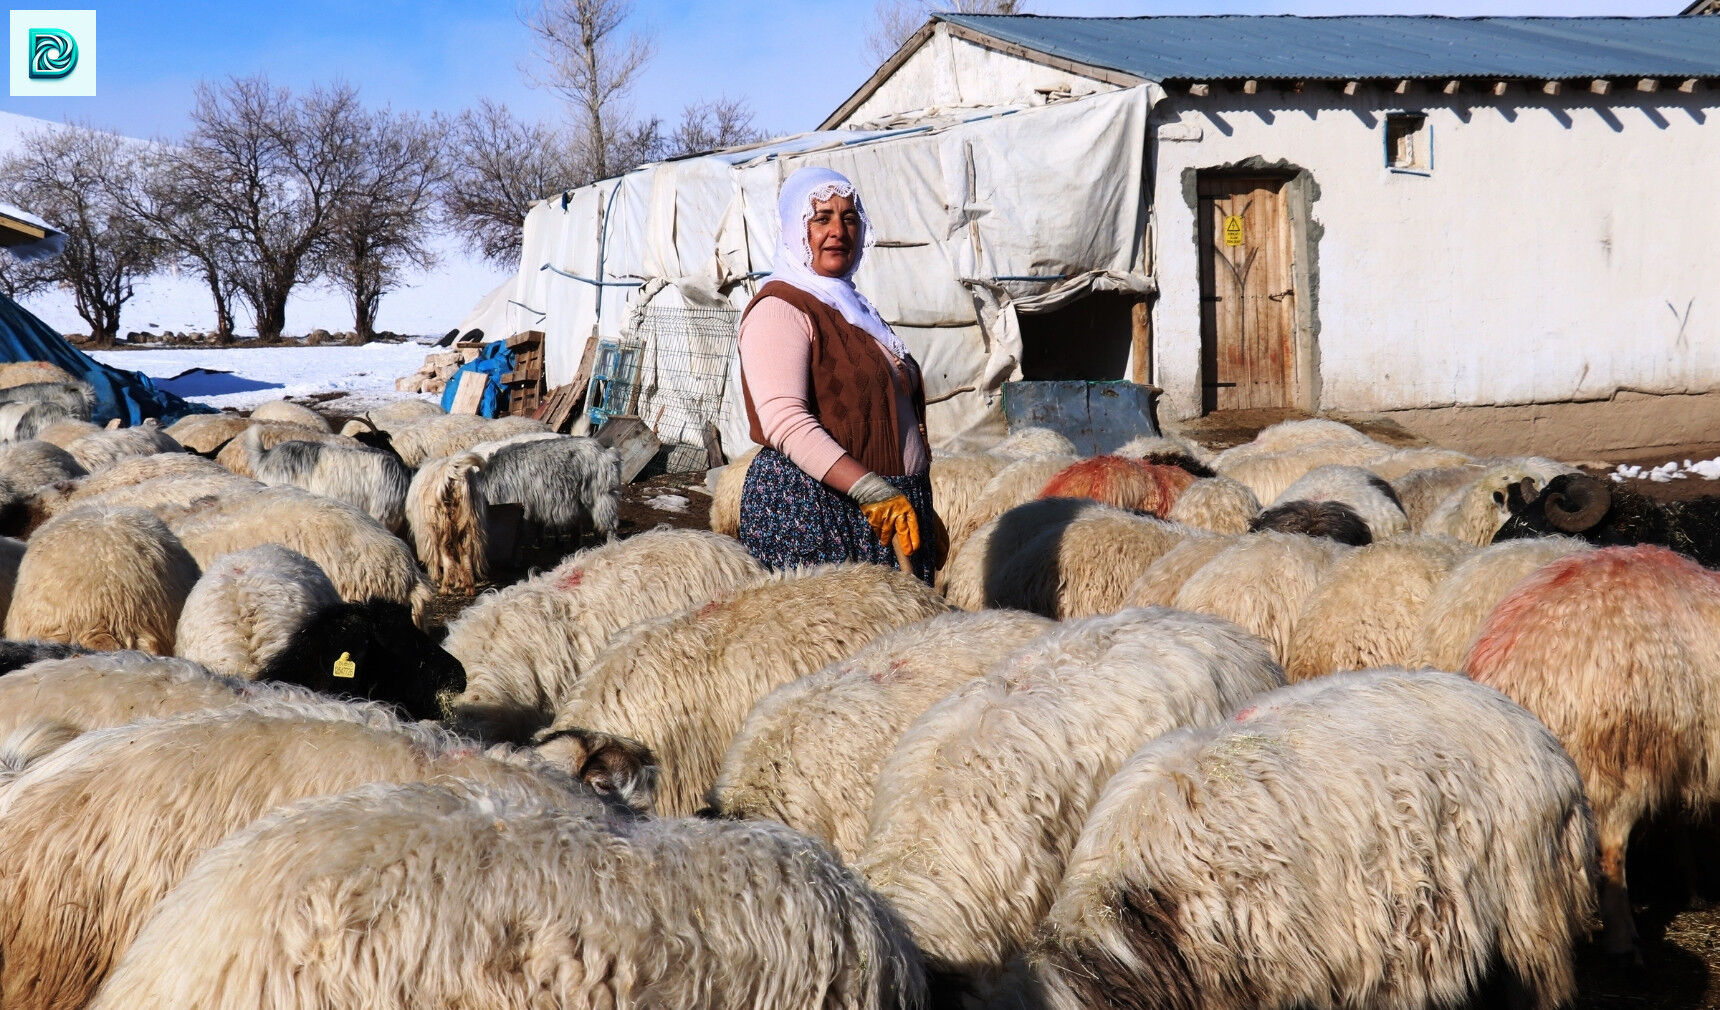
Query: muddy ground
{"type": "Point", "coordinates": [1680, 920]}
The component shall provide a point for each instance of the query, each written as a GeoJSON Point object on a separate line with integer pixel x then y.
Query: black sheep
{"type": "Point", "coordinates": [1589, 508]}
{"type": "Point", "coordinates": [16, 654]}
{"type": "Point", "coordinates": [373, 651]}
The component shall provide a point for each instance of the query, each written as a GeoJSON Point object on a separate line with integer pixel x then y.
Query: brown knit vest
{"type": "Point", "coordinates": [852, 390]}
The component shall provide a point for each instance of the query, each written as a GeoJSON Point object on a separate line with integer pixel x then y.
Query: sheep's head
{"type": "Point", "coordinates": [615, 766]}
{"type": "Point", "coordinates": [1573, 503]}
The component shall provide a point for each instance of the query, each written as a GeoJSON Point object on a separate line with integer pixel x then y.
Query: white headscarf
{"type": "Point", "coordinates": [794, 257]}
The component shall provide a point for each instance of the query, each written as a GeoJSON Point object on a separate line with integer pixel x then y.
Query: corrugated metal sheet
{"type": "Point", "coordinates": [1287, 47]}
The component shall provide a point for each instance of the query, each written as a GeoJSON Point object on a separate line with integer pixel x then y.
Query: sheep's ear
{"type": "Point", "coordinates": [612, 765]}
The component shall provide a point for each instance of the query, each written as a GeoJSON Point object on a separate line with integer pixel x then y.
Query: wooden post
{"type": "Point", "coordinates": [1141, 343]}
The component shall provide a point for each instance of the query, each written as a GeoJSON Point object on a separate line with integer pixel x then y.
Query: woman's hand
{"type": "Point", "coordinates": [889, 511]}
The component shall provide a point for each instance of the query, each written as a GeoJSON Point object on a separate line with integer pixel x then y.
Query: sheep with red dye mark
{"type": "Point", "coordinates": [1015, 484]}
{"type": "Point", "coordinates": [156, 794]}
{"type": "Point", "coordinates": [1470, 591]}
{"type": "Point", "coordinates": [526, 646]}
{"type": "Point", "coordinates": [809, 752]}
{"type": "Point", "coordinates": [1123, 483]}
{"type": "Point", "coordinates": [1083, 567]}
{"type": "Point", "coordinates": [246, 605]}
{"type": "Point", "coordinates": [683, 684]}
{"type": "Point", "coordinates": [978, 806]}
{"type": "Point", "coordinates": [1259, 581]}
{"type": "Point", "coordinates": [549, 906]}
{"type": "Point", "coordinates": [1380, 839]}
{"type": "Point", "coordinates": [104, 578]}
{"type": "Point", "coordinates": [1617, 651]}
{"type": "Point", "coordinates": [1367, 609]}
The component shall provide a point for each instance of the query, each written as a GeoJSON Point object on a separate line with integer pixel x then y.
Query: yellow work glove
{"type": "Point", "coordinates": [888, 510]}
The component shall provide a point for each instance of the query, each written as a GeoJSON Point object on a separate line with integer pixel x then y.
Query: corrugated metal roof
{"type": "Point", "coordinates": [1352, 47]}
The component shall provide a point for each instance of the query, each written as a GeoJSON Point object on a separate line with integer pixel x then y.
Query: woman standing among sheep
{"type": "Point", "coordinates": [834, 396]}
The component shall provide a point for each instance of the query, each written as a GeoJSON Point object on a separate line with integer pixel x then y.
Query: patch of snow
{"type": "Point", "coordinates": [243, 377]}
{"type": "Point", "coordinates": [1671, 470]}
{"type": "Point", "coordinates": [668, 503]}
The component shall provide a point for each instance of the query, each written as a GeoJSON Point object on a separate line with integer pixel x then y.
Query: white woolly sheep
{"type": "Point", "coordinates": [102, 449]}
{"type": "Point", "coordinates": [449, 520]}
{"type": "Point", "coordinates": [1361, 489]}
{"type": "Point", "coordinates": [26, 466]}
{"type": "Point", "coordinates": [683, 684]}
{"type": "Point", "coordinates": [977, 808]}
{"type": "Point", "coordinates": [404, 410]}
{"type": "Point", "coordinates": [970, 579]}
{"type": "Point", "coordinates": [271, 433]}
{"type": "Point", "coordinates": [1015, 484]}
{"type": "Point", "coordinates": [1023, 443]}
{"type": "Point", "coordinates": [1615, 650]}
{"type": "Point", "coordinates": [1219, 504]}
{"type": "Point", "coordinates": [1403, 462]}
{"type": "Point", "coordinates": [1167, 444]}
{"type": "Point", "coordinates": [809, 753]}
{"type": "Point", "coordinates": [1367, 609]}
{"type": "Point", "coordinates": [549, 906]}
{"type": "Point", "coordinates": [158, 793]}
{"type": "Point", "coordinates": [166, 494]}
{"type": "Point", "coordinates": [1084, 567]}
{"type": "Point", "coordinates": [1422, 491]}
{"type": "Point", "coordinates": [371, 479]}
{"type": "Point", "coordinates": [19, 373]}
{"type": "Point", "coordinates": [726, 494]}
{"type": "Point", "coordinates": [566, 484]}
{"type": "Point", "coordinates": [1268, 473]}
{"type": "Point", "coordinates": [1159, 584]}
{"type": "Point", "coordinates": [524, 647]}
{"type": "Point", "coordinates": [246, 606]}
{"type": "Point", "coordinates": [359, 556]}
{"type": "Point", "coordinates": [288, 412]}
{"type": "Point", "coordinates": [205, 433]}
{"type": "Point", "coordinates": [1468, 593]}
{"type": "Point", "coordinates": [1260, 581]}
{"type": "Point", "coordinates": [103, 577]}
{"type": "Point", "coordinates": [1289, 435]}
{"type": "Point", "coordinates": [1474, 512]}
{"type": "Point", "coordinates": [957, 482]}
{"type": "Point", "coordinates": [66, 431]}
{"type": "Point", "coordinates": [1366, 840]}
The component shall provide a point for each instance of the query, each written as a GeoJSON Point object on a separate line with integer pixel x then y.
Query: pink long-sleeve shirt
{"type": "Point", "coordinates": [776, 356]}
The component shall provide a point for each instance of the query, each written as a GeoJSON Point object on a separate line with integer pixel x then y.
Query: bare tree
{"type": "Point", "coordinates": [384, 225]}
{"type": "Point", "coordinates": [587, 59]}
{"type": "Point", "coordinates": [164, 194]}
{"type": "Point", "coordinates": [713, 125]}
{"type": "Point", "coordinates": [894, 21]}
{"type": "Point", "coordinates": [65, 175]}
{"type": "Point", "coordinates": [20, 279]}
{"type": "Point", "coordinates": [499, 166]}
{"type": "Point", "coordinates": [273, 171]}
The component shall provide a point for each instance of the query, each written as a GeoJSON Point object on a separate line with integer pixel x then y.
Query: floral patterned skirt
{"type": "Point", "coordinates": [789, 519]}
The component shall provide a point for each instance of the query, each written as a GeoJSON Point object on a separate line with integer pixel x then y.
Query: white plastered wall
{"type": "Point", "coordinates": [1562, 247]}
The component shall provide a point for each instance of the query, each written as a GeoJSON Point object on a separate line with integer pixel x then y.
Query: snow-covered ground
{"type": "Point", "coordinates": [243, 377]}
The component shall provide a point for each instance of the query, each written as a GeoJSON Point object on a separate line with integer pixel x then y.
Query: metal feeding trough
{"type": "Point", "coordinates": [1097, 416]}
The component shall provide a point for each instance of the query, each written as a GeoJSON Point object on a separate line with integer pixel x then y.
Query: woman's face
{"type": "Point", "coordinates": [832, 234]}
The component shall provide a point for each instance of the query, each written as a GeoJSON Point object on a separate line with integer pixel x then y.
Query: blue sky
{"type": "Point", "coordinates": [794, 60]}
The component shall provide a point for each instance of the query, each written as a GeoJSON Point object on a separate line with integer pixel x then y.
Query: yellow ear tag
{"type": "Point", "coordinates": [344, 667]}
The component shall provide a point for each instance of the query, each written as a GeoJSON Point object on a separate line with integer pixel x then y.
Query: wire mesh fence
{"type": "Point", "coordinates": [683, 375]}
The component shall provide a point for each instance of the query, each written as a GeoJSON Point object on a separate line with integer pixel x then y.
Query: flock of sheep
{"type": "Point", "coordinates": [1119, 756]}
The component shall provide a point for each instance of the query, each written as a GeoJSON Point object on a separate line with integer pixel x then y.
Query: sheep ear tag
{"type": "Point", "coordinates": [344, 667]}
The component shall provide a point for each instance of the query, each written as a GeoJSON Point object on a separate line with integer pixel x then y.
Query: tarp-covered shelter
{"type": "Point", "coordinates": [978, 221]}
{"type": "Point", "coordinates": [129, 396]}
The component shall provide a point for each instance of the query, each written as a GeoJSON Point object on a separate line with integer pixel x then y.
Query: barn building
{"type": "Point", "coordinates": [1497, 231]}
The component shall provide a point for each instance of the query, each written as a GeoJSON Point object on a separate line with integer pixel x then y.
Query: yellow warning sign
{"type": "Point", "coordinates": [1233, 229]}
{"type": "Point", "coordinates": [344, 667]}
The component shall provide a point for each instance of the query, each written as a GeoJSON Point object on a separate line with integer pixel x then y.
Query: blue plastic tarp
{"type": "Point", "coordinates": [129, 396]}
{"type": "Point", "coordinates": [494, 361]}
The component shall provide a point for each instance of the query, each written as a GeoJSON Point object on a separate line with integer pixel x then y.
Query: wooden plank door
{"type": "Point", "coordinates": [1247, 293]}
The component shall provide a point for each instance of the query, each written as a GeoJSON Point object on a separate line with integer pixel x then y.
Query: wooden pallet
{"type": "Point", "coordinates": [523, 388]}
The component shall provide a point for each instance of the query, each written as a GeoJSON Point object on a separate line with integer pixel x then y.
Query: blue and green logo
{"type": "Point", "coordinates": [53, 53]}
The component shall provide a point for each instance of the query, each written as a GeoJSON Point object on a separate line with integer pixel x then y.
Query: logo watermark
{"type": "Point", "coordinates": [53, 53]}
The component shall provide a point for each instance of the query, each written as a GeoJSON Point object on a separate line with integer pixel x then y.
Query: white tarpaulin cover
{"type": "Point", "coordinates": [974, 221]}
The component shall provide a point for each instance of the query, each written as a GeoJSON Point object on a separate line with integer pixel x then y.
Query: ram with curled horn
{"type": "Point", "coordinates": [1583, 506]}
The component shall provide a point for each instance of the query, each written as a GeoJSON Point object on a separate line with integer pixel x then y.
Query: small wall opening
{"type": "Point", "coordinates": [1086, 339]}
{"type": "Point", "coordinates": [1409, 142]}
